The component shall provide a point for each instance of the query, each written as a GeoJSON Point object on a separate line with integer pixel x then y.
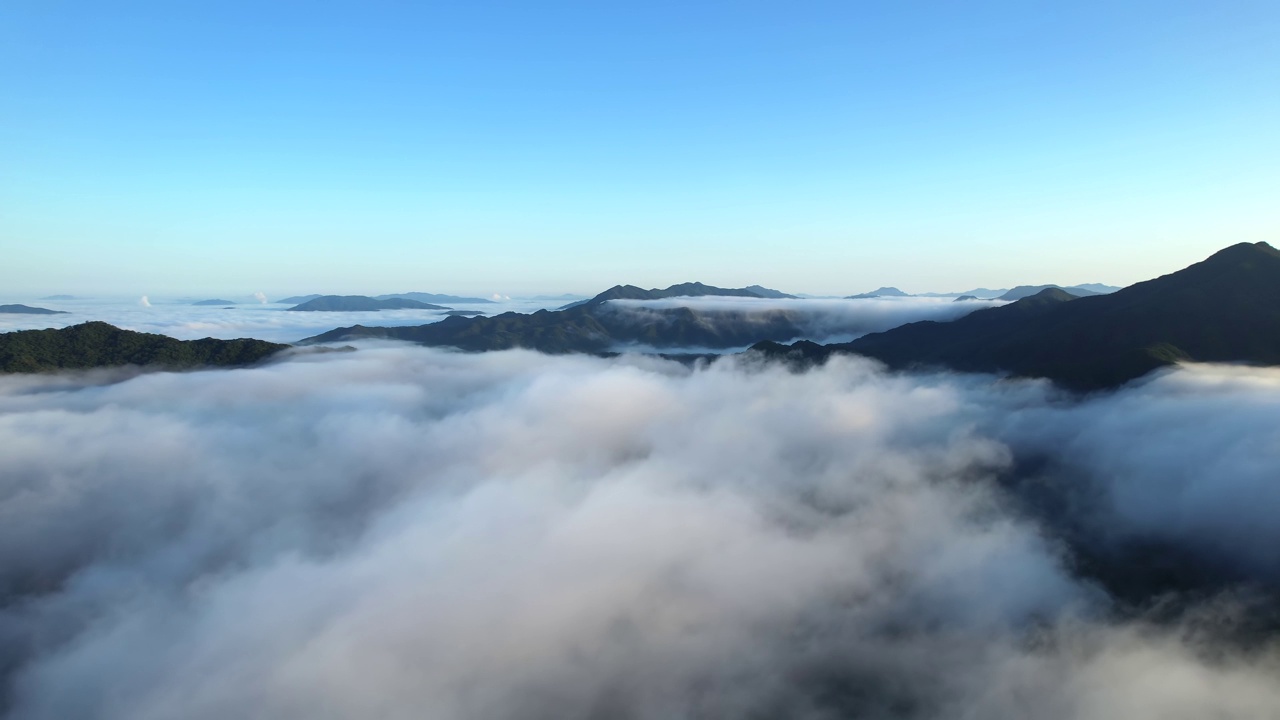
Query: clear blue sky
{"type": "Point", "coordinates": [219, 147]}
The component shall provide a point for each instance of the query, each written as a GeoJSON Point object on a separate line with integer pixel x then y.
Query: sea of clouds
{"type": "Point", "coordinates": [822, 320]}
{"type": "Point", "coordinates": [402, 532]}
{"type": "Point", "coordinates": [177, 317]}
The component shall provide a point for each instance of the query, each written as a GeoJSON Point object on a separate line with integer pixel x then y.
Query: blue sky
{"type": "Point", "coordinates": [161, 147]}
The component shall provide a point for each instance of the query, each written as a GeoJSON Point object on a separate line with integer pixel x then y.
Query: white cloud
{"type": "Point", "coordinates": [402, 532]}
{"type": "Point", "coordinates": [821, 320]}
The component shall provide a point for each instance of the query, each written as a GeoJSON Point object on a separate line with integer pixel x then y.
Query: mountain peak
{"type": "Point", "coordinates": [879, 292]}
{"type": "Point", "coordinates": [765, 292]}
{"type": "Point", "coordinates": [1244, 251]}
{"type": "Point", "coordinates": [1048, 295]}
{"type": "Point", "coordinates": [687, 289]}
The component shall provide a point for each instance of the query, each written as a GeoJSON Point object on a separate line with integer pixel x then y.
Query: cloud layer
{"type": "Point", "coordinates": [264, 321]}
{"type": "Point", "coordinates": [402, 532]}
{"type": "Point", "coordinates": [820, 320]}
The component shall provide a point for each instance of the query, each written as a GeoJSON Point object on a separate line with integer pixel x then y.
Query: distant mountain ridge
{"type": "Point", "coordinates": [429, 298]}
{"type": "Point", "coordinates": [1223, 309]}
{"type": "Point", "coordinates": [298, 299]}
{"type": "Point", "coordinates": [28, 310]}
{"type": "Point", "coordinates": [594, 326]}
{"type": "Point", "coordinates": [881, 292]}
{"type": "Point", "coordinates": [768, 293]}
{"type": "Point", "coordinates": [1096, 288]}
{"type": "Point", "coordinates": [1016, 293]}
{"type": "Point", "coordinates": [434, 298]}
{"type": "Point", "coordinates": [97, 344]}
{"type": "Point", "coordinates": [214, 301]}
{"type": "Point", "coordinates": [1024, 291]}
{"type": "Point", "coordinates": [361, 303]}
{"type": "Point", "coordinates": [688, 289]}
{"type": "Point", "coordinates": [980, 293]}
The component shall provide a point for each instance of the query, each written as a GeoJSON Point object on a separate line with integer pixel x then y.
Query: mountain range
{"type": "Point", "coordinates": [596, 326]}
{"type": "Point", "coordinates": [1016, 293]}
{"type": "Point", "coordinates": [361, 303]}
{"type": "Point", "coordinates": [688, 289]}
{"type": "Point", "coordinates": [1223, 309]}
{"type": "Point", "coordinates": [417, 296]}
{"type": "Point", "coordinates": [981, 293]}
{"type": "Point", "coordinates": [214, 301]}
{"type": "Point", "coordinates": [97, 344]}
{"type": "Point", "coordinates": [434, 298]}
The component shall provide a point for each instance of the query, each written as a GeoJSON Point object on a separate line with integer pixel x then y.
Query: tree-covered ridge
{"type": "Point", "coordinates": [28, 310]}
{"type": "Point", "coordinates": [1223, 309]}
{"type": "Point", "coordinates": [595, 326]}
{"type": "Point", "coordinates": [97, 344]}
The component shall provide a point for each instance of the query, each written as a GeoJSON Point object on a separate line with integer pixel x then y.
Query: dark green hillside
{"type": "Point", "coordinates": [97, 344]}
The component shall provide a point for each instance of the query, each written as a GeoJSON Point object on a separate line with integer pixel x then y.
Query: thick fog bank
{"type": "Point", "coordinates": [403, 532]}
{"type": "Point", "coordinates": [819, 320]}
{"type": "Point", "coordinates": [265, 321]}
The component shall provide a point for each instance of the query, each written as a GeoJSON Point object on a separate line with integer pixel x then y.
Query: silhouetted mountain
{"type": "Point", "coordinates": [689, 289]}
{"type": "Point", "coordinates": [1224, 309]}
{"type": "Point", "coordinates": [770, 293]}
{"type": "Point", "coordinates": [298, 299]}
{"type": "Point", "coordinates": [881, 292]}
{"type": "Point", "coordinates": [964, 298]}
{"type": "Point", "coordinates": [361, 303]}
{"type": "Point", "coordinates": [1024, 291]}
{"type": "Point", "coordinates": [598, 326]}
{"type": "Point", "coordinates": [465, 313]}
{"type": "Point", "coordinates": [97, 344]}
{"type": "Point", "coordinates": [433, 298]}
{"type": "Point", "coordinates": [215, 302]}
{"type": "Point", "coordinates": [28, 310]}
{"type": "Point", "coordinates": [980, 293]}
{"type": "Point", "coordinates": [1096, 288]}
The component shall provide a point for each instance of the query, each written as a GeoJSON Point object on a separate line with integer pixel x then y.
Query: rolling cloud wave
{"type": "Point", "coordinates": [402, 532]}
